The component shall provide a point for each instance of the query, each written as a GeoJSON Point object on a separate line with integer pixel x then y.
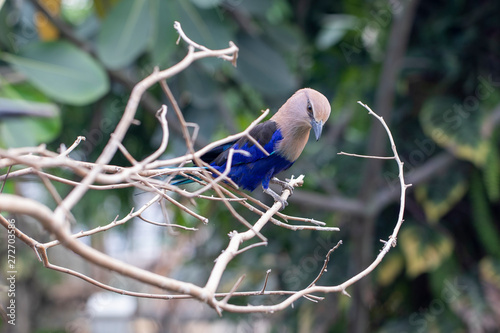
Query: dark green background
{"type": "Point", "coordinates": [431, 68]}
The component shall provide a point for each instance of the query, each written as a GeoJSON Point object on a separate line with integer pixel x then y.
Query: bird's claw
{"type": "Point", "coordinates": [276, 198]}
{"type": "Point", "coordinates": [284, 185]}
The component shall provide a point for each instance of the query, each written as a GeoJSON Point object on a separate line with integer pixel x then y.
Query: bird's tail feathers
{"type": "Point", "coordinates": [181, 179]}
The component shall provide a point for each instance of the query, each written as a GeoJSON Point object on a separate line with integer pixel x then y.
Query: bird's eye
{"type": "Point", "coordinates": [309, 107]}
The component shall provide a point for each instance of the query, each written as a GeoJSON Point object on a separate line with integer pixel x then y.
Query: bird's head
{"type": "Point", "coordinates": [306, 109]}
{"type": "Point", "coordinates": [318, 110]}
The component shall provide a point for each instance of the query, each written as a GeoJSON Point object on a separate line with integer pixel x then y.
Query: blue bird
{"type": "Point", "coordinates": [284, 137]}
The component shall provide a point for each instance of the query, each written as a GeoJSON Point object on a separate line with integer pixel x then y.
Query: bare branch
{"type": "Point", "coordinates": [325, 264]}
{"type": "Point", "coordinates": [233, 289]}
{"type": "Point", "coordinates": [265, 282]}
{"type": "Point", "coordinates": [249, 247]}
{"type": "Point", "coordinates": [5, 180]}
{"type": "Point", "coordinates": [166, 224]}
{"type": "Point", "coordinates": [367, 156]}
{"type": "Point", "coordinates": [146, 175]}
{"type": "Point", "coordinates": [75, 144]}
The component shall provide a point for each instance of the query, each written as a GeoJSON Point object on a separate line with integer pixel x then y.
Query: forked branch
{"type": "Point", "coordinates": [144, 175]}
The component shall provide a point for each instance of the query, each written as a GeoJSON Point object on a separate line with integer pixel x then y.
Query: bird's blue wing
{"type": "Point", "coordinates": [255, 168]}
{"type": "Point", "coordinates": [212, 154]}
{"type": "Point", "coordinates": [266, 134]}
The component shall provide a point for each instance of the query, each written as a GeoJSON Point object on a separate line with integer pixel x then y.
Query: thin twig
{"type": "Point", "coordinates": [166, 224]}
{"type": "Point", "coordinates": [175, 202]}
{"type": "Point", "coordinates": [75, 144]}
{"type": "Point", "coordinates": [233, 289]}
{"type": "Point", "coordinates": [36, 159]}
{"type": "Point", "coordinates": [125, 152]}
{"type": "Point", "coordinates": [212, 198]}
{"type": "Point", "coordinates": [5, 180]}
{"type": "Point", "coordinates": [303, 227]}
{"type": "Point", "coordinates": [265, 282]}
{"type": "Point", "coordinates": [325, 264]}
{"type": "Point", "coordinates": [238, 238]}
{"type": "Point", "coordinates": [249, 247]}
{"type": "Point", "coordinates": [110, 225]}
{"type": "Point", "coordinates": [161, 115]}
{"type": "Point", "coordinates": [367, 156]}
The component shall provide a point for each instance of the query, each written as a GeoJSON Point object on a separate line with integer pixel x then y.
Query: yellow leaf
{"type": "Point", "coordinates": [475, 154]}
{"type": "Point", "coordinates": [389, 268]}
{"type": "Point", "coordinates": [433, 209]}
{"type": "Point", "coordinates": [424, 250]}
{"type": "Point", "coordinates": [489, 270]}
{"type": "Point", "coordinates": [46, 30]}
{"type": "Point", "coordinates": [102, 7]}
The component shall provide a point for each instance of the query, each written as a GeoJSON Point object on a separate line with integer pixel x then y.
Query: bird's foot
{"type": "Point", "coordinates": [276, 197]}
{"type": "Point", "coordinates": [284, 185]}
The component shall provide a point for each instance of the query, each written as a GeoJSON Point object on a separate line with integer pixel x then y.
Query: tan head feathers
{"type": "Point", "coordinates": [306, 109]}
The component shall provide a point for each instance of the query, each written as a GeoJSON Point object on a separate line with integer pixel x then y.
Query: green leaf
{"type": "Point", "coordinates": [440, 195]}
{"type": "Point", "coordinates": [7, 37]}
{"type": "Point", "coordinates": [424, 248]}
{"type": "Point", "coordinates": [257, 8]}
{"type": "Point", "coordinates": [125, 33]}
{"type": "Point", "coordinates": [492, 175]}
{"type": "Point", "coordinates": [18, 107]}
{"type": "Point", "coordinates": [27, 116]}
{"type": "Point", "coordinates": [62, 71]}
{"type": "Point", "coordinates": [483, 219]}
{"type": "Point", "coordinates": [204, 26]}
{"type": "Point", "coordinates": [9, 186]}
{"type": "Point", "coordinates": [163, 36]}
{"type": "Point", "coordinates": [202, 91]}
{"type": "Point", "coordinates": [23, 91]}
{"type": "Point", "coordinates": [28, 132]}
{"type": "Point", "coordinates": [206, 3]}
{"type": "Point", "coordinates": [264, 68]}
{"type": "Point", "coordinates": [334, 28]}
{"type": "Point", "coordinates": [456, 126]}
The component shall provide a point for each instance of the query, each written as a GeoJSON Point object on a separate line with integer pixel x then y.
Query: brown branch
{"type": "Point", "coordinates": [233, 289]}
{"type": "Point", "coordinates": [166, 224]}
{"type": "Point", "coordinates": [47, 218]}
{"type": "Point", "coordinates": [128, 116]}
{"type": "Point", "coordinates": [139, 175]}
{"type": "Point", "coordinates": [325, 264]}
{"type": "Point", "coordinates": [66, 152]}
{"type": "Point", "coordinates": [208, 292]}
{"type": "Point", "coordinates": [265, 282]}
{"type": "Point", "coordinates": [384, 196]}
{"type": "Point", "coordinates": [5, 180]}
{"type": "Point", "coordinates": [238, 238]}
{"type": "Point", "coordinates": [367, 156]}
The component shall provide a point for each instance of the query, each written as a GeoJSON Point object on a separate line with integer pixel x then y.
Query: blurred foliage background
{"type": "Point", "coordinates": [431, 68]}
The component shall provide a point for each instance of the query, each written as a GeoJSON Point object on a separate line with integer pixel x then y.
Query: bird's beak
{"type": "Point", "coordinates": [317, 128]}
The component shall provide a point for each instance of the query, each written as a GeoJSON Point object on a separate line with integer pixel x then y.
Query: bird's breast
{"type": "Point", "coordinates": [292, 144]}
